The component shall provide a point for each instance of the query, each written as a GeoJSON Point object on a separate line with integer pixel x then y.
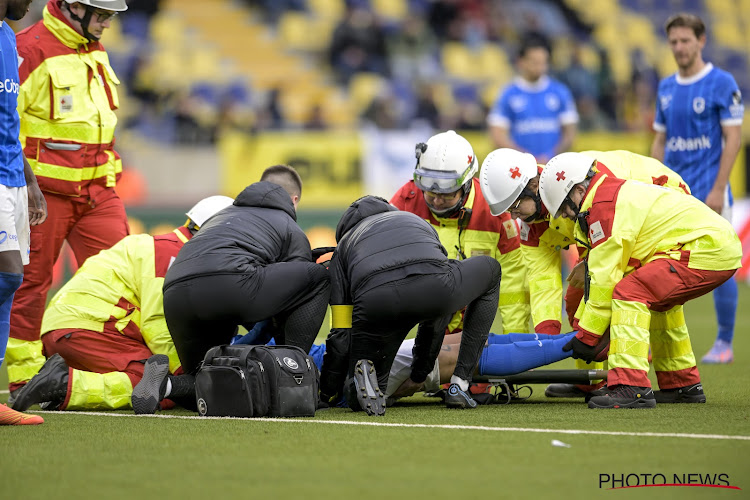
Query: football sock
{"type": "Point", "coordinates": [9, 283]}
{"type": "Point", "coordinates": [507, 359]}
{"type": "Point", "coordinates": [725, 304]}
{"type": "Point", "coordinates": [463, 384]}
{"type": "Point", "coordinates": [509, 338]}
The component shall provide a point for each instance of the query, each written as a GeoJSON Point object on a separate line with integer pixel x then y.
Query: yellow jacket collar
{"type": "Point", "coordinates": [60, 27]}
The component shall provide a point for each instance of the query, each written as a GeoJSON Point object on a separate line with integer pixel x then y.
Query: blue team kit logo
{"type": "Point", "coordinates": [9, 86]}
{"type": "Point", "coordinates": [736, 109]}
{"type": "Point", "coordinates": [3, 237]}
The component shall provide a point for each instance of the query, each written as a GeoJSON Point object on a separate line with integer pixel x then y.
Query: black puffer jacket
{"type": "Point", "coordinates": [377, 243]}
{"type": "Point", "coordinates": [259, 229]}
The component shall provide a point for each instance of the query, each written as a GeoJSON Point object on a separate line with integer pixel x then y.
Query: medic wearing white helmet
{"type": "Point", "coordinates": [510, 181]}
{"type": "Point", "coordinates": [649, 250]}
{"type": "Point", "coordinates": [445, 193]}
{"type": "Point", "coordinates": [109, 318]}
{"type": "Point", "coordinates": [67, 102]}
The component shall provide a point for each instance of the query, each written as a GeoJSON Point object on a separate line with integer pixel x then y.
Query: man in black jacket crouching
{"type": "Point", "coordinates": [251, 263]}
{"type": "Point", "coordinates": [389, 273]}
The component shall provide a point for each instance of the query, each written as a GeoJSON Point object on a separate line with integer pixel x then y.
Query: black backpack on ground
{"type": "Point", "coordinates": [257, 381]}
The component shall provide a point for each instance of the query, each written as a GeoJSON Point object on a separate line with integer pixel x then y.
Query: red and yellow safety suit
{"type": "Point", "coordinates": [67, 102]}
{"type": "Point", "coordinates": [651, 250]}
{"type": "Point", "coordinates": [542, 240]}
{"type": "Point", "coordinates": [109, 318]}
{"type": "Point", "coordinates": [484, 234]}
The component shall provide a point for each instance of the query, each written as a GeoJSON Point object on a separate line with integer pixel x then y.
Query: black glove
{"type": "Point", "coordinates": [584, 351]}
{"type": "Point", "coordinates": [320, 251]}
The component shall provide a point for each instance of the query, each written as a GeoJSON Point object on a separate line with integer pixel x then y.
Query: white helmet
{"type": "Point", "coordinates": [504, 175]}
{"type": "Point", "coordinates": [445, 164]}
{"type": "Point", "coordinates": [560, 175]}
{"type": "Point", "coordinates": [113, 5]}
{"type": "Point", "coordinates": [207, 207]}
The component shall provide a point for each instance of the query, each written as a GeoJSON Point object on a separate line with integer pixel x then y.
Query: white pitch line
{"type": "Point", "coordinates": [6, 391]}
{"type": "Point", "coordinates": [417, 426]}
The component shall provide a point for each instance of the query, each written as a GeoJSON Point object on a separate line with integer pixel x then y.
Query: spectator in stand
{"type": "Point", "coordinates": [358, 43]}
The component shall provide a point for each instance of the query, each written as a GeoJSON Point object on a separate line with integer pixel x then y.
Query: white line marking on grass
{"type": "Point", "coordinates": [5, 392]}
{"type": "Point", "coordinates": [418, 426]}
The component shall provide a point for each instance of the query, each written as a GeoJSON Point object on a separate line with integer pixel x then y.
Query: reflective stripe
{"type": "Point", "coordinates": [99, 391]}
{"type": "Point", "coordinates": [629, 341]}
{"type": "Point", "coordinates": [670, 349]}
{"type": "Point", "coordinates": [631, 318]}
{"type": "Point", "coordinates": [593, 321]}
{"type": "Point", "coordinates": [341, 316]}
{"type": "Point", "coordinates": [32, 127]}
{"type": "Point", "coordinates": [670, 346]}
{"type": "Point", "coordinates": [674, 318]}
{"type": "Point", "coordinates": [23, 359]}
{"type": "Point", "coordinates": [72, 174]}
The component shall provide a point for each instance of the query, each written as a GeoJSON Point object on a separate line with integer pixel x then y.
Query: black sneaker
{"type": "Point", "coordinates": [564, 391]}
{"type": "Point", "coordinates": [371, 398]}
{"type": "Point", "coordinates": [688, 394]}
{"type": "Point", "coordinates": [456, 398]}
{"type": "Point", "coordinates": [153, 386]}
{"type": "Point", "coordinates": [625, 396]}
{"type": "Point", "coordinates": [49, 385]}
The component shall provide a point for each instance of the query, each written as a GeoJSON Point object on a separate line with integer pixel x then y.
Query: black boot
{"type": "Point", "coordinates": [50, 385]}
{"type": "Point", "coordinates": [153, 386]}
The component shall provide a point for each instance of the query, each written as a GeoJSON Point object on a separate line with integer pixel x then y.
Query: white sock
{"type": "Point", "coordinates": [169, 388]}
{"type": "Point", "coordinates": [463, 384]}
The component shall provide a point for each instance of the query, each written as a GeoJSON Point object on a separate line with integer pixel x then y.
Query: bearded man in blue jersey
{"type": "Point", "coordinates": [21, 201]}
{"type": "Point", "coordinates": [535, 113]}
{"type": "Point", "coordinates": [698, 126]}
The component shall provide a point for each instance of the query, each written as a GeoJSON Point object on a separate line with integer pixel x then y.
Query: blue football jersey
{"type": "Point", "coordinates": [535, 114]}
{"type": "Point", "coordinates": [11, 159]}
{"type": "Point", "coordinates": [691, 112]}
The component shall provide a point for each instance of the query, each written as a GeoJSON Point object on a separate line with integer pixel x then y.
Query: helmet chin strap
{"type": "Point", "coordinates": [529, 193]}
{"type": "Point", "coordinates": [84, 22]}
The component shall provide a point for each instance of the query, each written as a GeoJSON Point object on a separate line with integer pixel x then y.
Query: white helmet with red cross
{"type": "Point", "coordinates": [560, 175]}
{"type": "Point", "coordinates": [504, 175]}
{"type": "Point", "coordinates": [445, 164]}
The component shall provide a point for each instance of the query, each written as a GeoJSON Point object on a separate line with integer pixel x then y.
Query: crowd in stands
{"type": "Point", "coordinates": [423, 62]}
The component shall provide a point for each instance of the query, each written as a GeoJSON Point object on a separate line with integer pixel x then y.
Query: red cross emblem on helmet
{"type": "Point", "coordinates": [514, 172]}
{"type": "Point", "coordinates": [471, 158]}
{"type": "Point", "coordinates": [561, 176]}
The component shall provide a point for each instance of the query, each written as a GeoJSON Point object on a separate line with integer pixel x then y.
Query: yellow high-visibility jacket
{"type": "Point", "coordinates": [119, 290]}
{"type": "Point", "coordinates": [542, 240]}
{"type": "Point", "coordinates": [66, 102]}
{"type": "Point", "coordinates": [631, 224]}
{"type": "Point", "coordinates": [483, 234]}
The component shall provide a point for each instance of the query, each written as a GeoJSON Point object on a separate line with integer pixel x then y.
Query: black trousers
{"type": "Point", "coordinates": [384, 315]}
{"type": "Point", "coordinates": [204, 312]}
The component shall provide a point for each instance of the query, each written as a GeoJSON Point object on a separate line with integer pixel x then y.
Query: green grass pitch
{"type": "Point", "coordinates": [425, 451]}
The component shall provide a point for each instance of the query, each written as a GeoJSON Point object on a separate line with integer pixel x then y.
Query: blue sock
{"type": "Point", "coordinates": [317, 351]}
{"type": "Point", "coordinates": [9, 283]}
{"type": "Point", "coordinates": [725, 304]}
{"type": "Point", "coordinates": [509, 338]}
{"type": "Point", "coordinates": [507, 359]}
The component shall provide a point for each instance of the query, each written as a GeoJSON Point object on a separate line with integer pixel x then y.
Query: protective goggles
{"type": "Point", "coordinates": [437, 181]}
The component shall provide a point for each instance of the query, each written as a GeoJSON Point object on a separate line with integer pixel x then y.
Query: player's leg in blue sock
{"type": "Point", "coordinates": [507, 359]}
{"type": "Point", "coordinates": [9, 283]}
{"type": "Point", "coordinates": [725, 304]}
{"type": "Point", "coordinates": [509, 338]}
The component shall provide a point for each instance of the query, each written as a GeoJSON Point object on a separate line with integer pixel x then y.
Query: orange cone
{"type": "Point", "coordinates": [9, 416]}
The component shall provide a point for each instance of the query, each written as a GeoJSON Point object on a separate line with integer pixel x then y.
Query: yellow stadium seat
{"type": "Point", "coordinates": [395, 10]}
{"type": "Point", "coordinates": [363, 88]}
{"type": "Point", "coordinates": [458, 61]}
